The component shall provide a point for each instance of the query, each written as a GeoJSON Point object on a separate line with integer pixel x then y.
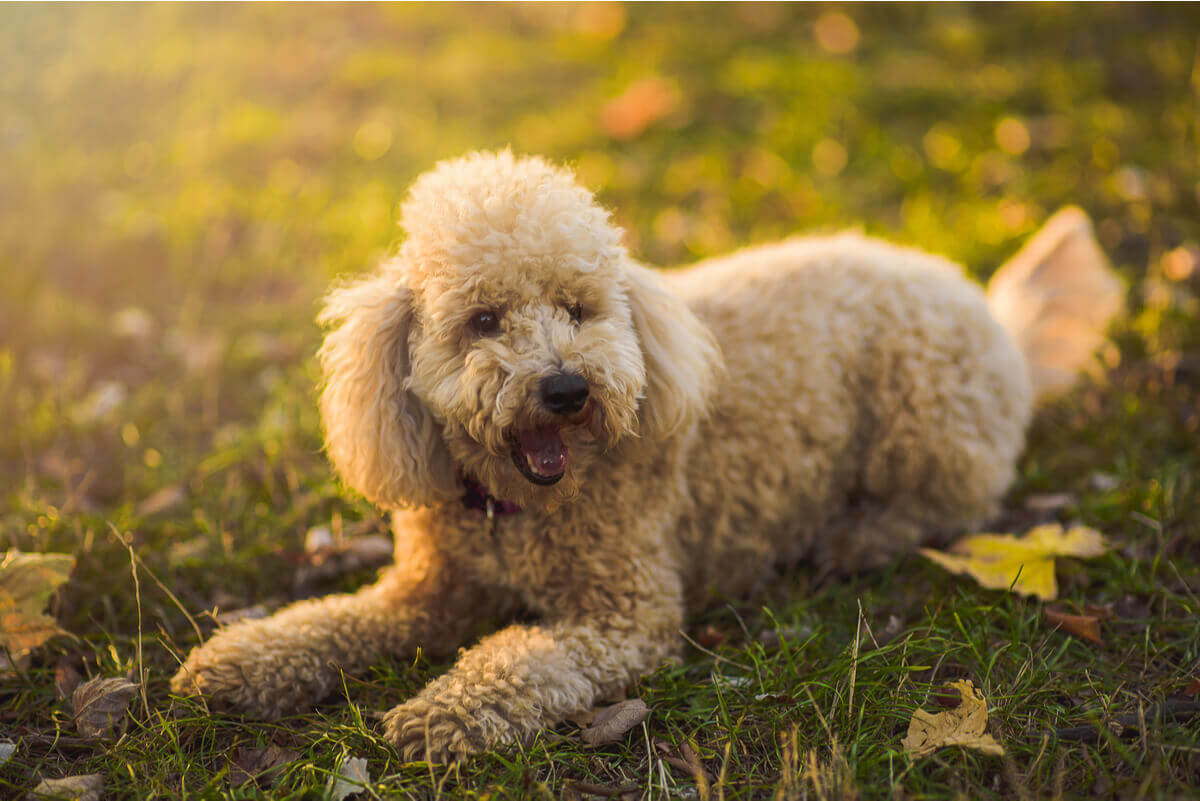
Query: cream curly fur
{"type": "Point", "coordinates": [834, 399]}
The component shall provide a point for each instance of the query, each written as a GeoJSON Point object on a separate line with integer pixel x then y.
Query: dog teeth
{"type": "Point", "coordinates": [529, 460]}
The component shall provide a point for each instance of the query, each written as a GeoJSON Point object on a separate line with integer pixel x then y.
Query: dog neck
{"type": "Point", "coordinates": [477, 498]}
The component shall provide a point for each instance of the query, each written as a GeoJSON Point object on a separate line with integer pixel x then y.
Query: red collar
{"type": "Point", "coordinates": [477, 498]}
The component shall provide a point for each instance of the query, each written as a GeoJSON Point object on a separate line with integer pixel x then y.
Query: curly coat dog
{"type": "Point", "coordinates": [563, 431]}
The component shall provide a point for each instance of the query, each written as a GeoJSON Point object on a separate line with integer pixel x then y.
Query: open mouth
{"type": "Point", "coordinates": [540, 454]}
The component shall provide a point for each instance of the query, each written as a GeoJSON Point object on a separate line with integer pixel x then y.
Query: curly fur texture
{"type": "Point", "coordinates": [835, 399]}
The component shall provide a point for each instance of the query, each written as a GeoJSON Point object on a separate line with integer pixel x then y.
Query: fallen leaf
{"type": "Point", "coordinates": [963, 727]}
{"type": "Point", "coordinates": [75, 788]}
{"type": "Point", "coordinates": [100, 705]}
{"type": "Point", "coordinates": [1085, 627]}
{"type": "Point", "coordinates": [259, 764]}
{"type": "Point", "coordinates": [709, 636]}
{"type": "Point", "coordinates": [1193, 689]}
{"type": "Point", "coordinates": [686, 762]}
{"type": "Point", "coordinates": [27, 580]}
{"type": "Point", "coordinates": [352, 778]}
{"type": "Point", "coordinates": [1099, 612]}
{"type": "Point", "coordinates": [612, 722]}
{"type": "Point", "coordinates": [1023, 564]}
{"type": "Point", "coordinates": [66, 676]}
{"type": "Point", "coordinates": [6, 751]}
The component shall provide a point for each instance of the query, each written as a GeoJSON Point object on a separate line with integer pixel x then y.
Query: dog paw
{"type": "Point", "coordinates": [251, 684]}
{"type": "Point", "coordinates": [424, 731]}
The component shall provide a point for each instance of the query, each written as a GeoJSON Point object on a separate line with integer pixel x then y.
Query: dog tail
{"type": "Point", "coordinates": [1056, 298]}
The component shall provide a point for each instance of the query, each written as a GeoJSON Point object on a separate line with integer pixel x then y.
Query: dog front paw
{"type": "Point", "coordinates": [256, 682]}
{"type": "Point", "coordinates": [422, 730]}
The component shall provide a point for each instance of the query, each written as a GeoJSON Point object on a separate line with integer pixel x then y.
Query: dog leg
{"type": "Point", "coordinates": [527, 678]}
{"type": "Point", "coordinates": [269, 667]}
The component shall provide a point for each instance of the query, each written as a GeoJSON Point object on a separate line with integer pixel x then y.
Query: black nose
{"type": "Point", "coordinates": [564, 393]}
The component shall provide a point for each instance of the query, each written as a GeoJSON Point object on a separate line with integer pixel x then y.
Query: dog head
{"type": "Point", "coordinates": [511, 342]}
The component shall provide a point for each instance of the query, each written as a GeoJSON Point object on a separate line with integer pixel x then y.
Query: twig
{"type": "Point", "coordinates": [137, 596]}
{"type": "Point", "coordinates": [854, 666]}
{"type": "Point", "coordinates": [604, 790]}
{"type": "Point", "coordinates": [161, 586]}
{"type": "Point", "coordinates": [54, 741]}
{"type": "Point", "coordinates": [1130, 724]}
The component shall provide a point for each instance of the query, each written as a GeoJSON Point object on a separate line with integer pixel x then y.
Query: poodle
{"type": "Point", "coordinates": [561, 431]}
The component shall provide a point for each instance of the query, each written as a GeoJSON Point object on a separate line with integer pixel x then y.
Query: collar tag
{"type": "Point", "coordinates": [477, 498]}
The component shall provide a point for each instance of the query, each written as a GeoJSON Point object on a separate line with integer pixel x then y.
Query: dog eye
{"type": "Point", "coordinates": [485, 322]}
{"type": "Point", "coordinates": [576, 312]}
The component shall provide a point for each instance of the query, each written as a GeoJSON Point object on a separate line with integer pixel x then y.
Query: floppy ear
{"type": "Point", "coordinates": [381, 438]}
{"type": "Point", "coordinates": [681, 357]}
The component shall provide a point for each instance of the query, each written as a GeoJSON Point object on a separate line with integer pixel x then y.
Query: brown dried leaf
{"type": "Point", "coordinates": [100, 705]}
{"type": "Point", "coordinates": [27, 580]}
{"type": "Point", "coordinates": [1193, 689]}
{"type": "Point", "coordinates": [260, 765]}
{"type": "Point", "coordinates": [612, 722]}
{"type": "Point", "coordinates": [709, 636]}
{"type": "Point", "coordinates": [66, 676]}
{"type": "Point", "coordinates": [686, 763]}
{"type": "Point", "coordinates": [1085, 627]}
{"type": "Point", "coordinates": [964, 726]}
{"type": "Point", "coordinates": [75, 788]}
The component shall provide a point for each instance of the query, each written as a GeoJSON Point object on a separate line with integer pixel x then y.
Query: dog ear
{"type": "Point", "coordinates": [379, 435]}
{"type": "Point", "coordinates": [681, 356]}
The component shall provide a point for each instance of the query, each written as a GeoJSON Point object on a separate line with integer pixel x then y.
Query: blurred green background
{"type": "Point", "coordinates": [180, 183]}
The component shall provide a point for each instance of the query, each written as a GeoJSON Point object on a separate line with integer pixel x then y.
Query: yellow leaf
{"type": "Point", "coordinates": [964, 726]}
{"type": "Point", "coordinates": [27, 580]}
{"type": "Point", "coordinates": [1024, 564]}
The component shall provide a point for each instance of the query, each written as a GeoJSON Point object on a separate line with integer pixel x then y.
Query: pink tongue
{"type": "Point", "coordinates": [544, 450]}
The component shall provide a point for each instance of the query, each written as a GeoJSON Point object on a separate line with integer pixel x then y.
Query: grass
{"type": "Point", "coordinates": [182, 182]}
